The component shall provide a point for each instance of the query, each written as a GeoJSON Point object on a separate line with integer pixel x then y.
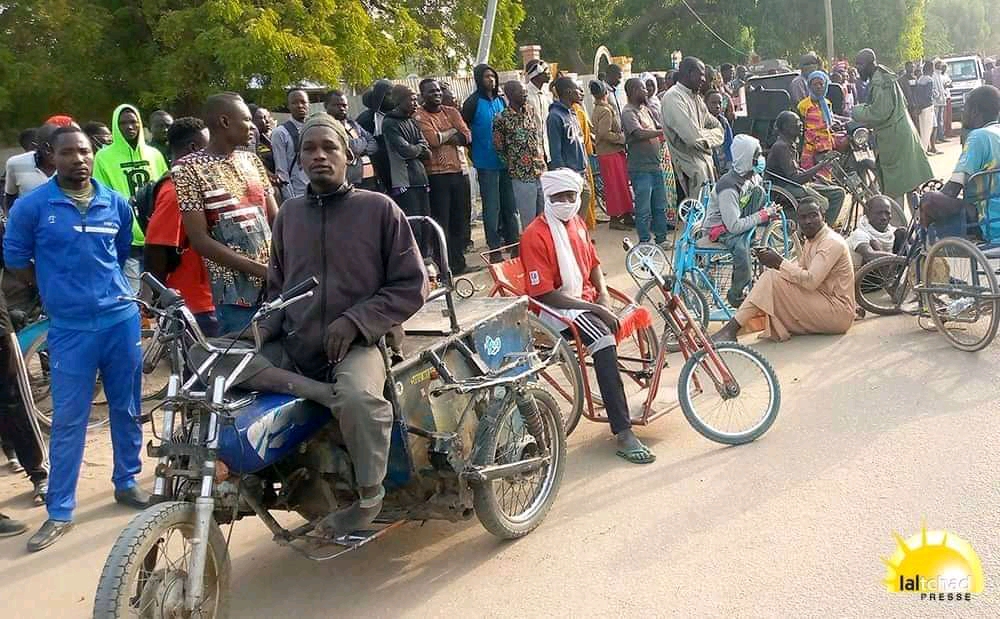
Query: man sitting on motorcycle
{"type": "Point", "coordinates": [735, 208]}
{"type": "Point", "coordinates": [360, 246]}
{"type": "Point", "coordinates": [979, 209]}
{"type": "Point", "coordinates": [563, 273]}
{"type": "Point", "coordinates": [783, 169]}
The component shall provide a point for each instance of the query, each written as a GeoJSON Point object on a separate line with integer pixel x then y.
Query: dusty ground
{"type": "Point", "coordinates": [879, 430]}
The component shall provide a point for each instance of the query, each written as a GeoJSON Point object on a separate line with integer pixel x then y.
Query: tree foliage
{"type": "Point", "coordinates": [961, 26]}
{"type": "Point", "coordinates": [83, 57]}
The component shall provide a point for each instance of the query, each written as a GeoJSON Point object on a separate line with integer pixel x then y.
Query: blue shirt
{"type": "Point", "coordinates": [484, 155]}
{"type": "Point", "coordinates": [78, 257]}
{"type": "Point", "coordinates": [565, 139]}
{"type": "Point", "coordinates": [982, 152]}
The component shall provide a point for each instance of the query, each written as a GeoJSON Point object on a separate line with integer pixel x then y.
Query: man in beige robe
{"type": "Point", "coordinates": [690, 130]}
{"type": "Point", "coordinates": [813, 295]}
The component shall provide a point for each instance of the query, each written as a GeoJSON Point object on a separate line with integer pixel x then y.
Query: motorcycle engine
{"type": "Point", "coordinates": [322, 477]}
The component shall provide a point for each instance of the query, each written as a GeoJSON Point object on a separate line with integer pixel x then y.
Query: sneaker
{"type": "Point", "coordinates": [41, 491]}
{"type": "Point", "coordinates": [601, 218]}
{"type": "Point", "coordinates": [14, 465]}
{"type": "Point", "coordinates": [132, 497]}
{"type": "Point", "coordinates": [618, 223]}
{"type": "Point", "coordinates": [49, 534]}
{"type": "Point", "coordinates": [10, 527]}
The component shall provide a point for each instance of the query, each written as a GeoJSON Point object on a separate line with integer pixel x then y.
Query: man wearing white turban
{"type": "Point", "coordinates": [563, 273]}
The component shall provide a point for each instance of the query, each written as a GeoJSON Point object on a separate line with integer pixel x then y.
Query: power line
{"type": "Point", "coordinates": [714, 33]}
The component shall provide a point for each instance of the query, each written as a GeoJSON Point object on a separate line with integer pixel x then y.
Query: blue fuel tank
{"type": "Point", "coordinates": [267, 430]}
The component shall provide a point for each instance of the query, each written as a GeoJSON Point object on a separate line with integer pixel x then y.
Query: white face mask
{"type": "Point", "coordinates": [563, 211]}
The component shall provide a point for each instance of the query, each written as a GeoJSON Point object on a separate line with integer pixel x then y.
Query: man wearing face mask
{"type": "Point", "coordinates": [736, 207]}
{"type": "Point", "coordinates": [563, 273]}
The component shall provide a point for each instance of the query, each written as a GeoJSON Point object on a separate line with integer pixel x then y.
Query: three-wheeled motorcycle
{"type": "Point", "coordinates": [473, 434]}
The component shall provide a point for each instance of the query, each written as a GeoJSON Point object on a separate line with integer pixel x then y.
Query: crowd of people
{"type": "Point", "coordinates": [197, 205]}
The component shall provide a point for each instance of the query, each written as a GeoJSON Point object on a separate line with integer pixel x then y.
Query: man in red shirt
{"type": "Point", "coordinates": [564, 274]}
{"type": "Point", "coordinates": [169, 256]}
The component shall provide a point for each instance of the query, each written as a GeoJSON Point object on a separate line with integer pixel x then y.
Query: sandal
{"type": "Point", "coordinates": [639, 455]}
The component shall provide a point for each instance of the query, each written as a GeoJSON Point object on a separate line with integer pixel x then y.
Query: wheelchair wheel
{"type": "Point", "coordinates": [882, 285]}
{"type": "Point", "coordinates": [564, 378]}
{"type": "Point", "coordinates": [961, 294]}
{"type": "Point", "coordinates": [652, 298]}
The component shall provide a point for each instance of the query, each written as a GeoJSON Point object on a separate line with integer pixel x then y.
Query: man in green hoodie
{"type": "Point", "coordinates": [125, 165]}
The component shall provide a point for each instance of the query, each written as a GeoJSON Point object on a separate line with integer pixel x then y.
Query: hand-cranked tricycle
{"type": "Point", "coordinates": [728, 391]}
{"type": "Point", "coordinates": [472, 434]}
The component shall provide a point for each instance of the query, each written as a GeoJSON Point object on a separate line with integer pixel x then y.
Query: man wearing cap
{"type": "Point", "coordinates": [325, 349]}
{"type": "Point", "coordinates": [539, 100]}
{"type": "Point", "coordinates": [563, 273]}
{"type": "Point", "coordinates": [799, 88]}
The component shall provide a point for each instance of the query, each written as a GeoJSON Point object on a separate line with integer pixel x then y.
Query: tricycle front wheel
{"type": "Point", "coordinates": [514, 506]}
{"type": "Point", "coordinates": [727, 411]}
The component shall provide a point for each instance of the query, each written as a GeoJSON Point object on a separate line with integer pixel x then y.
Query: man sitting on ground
{"type": "Point", "coordinates": [874, 237]}
{"type": "Point", "coordinates": [957, 217]}
{"type": "Point", "coordinates": [563, 273]}
{"type": "Point", "coordinates": [735, 208]}
{"type": "Point", "coordinates": [813, 295]}
{"type": "Point", "coordinates": [331, 339]}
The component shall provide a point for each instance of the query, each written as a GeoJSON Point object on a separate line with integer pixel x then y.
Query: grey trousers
{"type": "Point", "coordinates": [364, 414]}
{"type": "Point", "coordinates": [529, 200]}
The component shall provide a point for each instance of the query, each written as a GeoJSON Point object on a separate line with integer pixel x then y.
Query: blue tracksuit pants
{"type": "Point", "coordinates": [75, 358]}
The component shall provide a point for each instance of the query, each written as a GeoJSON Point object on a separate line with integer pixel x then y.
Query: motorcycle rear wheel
{"type": "Point", "coordinates": [507, 442]}
{"type": "Point", "coordinates": [135, 583]}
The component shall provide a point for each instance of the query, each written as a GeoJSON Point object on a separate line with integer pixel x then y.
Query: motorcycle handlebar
{"type": "Point", "coordinates": [300, 288]}
{"type": "Point", "coordinates": [167, 296]}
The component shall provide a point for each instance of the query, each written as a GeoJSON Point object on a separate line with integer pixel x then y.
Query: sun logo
{"type": "Point", "coordinates": [937, 565]}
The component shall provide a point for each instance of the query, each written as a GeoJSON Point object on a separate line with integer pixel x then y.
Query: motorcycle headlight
{"type": "Point", "coordinates": [860, 137]}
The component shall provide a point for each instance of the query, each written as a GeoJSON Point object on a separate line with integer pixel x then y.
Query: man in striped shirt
{"type": "Point", "coordinates": [361, 173]}
{"type": "Point", "coordinates": [227, 204]}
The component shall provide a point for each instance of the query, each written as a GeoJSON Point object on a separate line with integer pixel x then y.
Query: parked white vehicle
{"type": "Point", "coordinates": [966, 73]}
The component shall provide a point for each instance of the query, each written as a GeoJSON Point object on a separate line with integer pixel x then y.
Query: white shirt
{"type": "Point", "coordinates": [539, 101]}
{"type": "Point", "coordinates": [23, 175]}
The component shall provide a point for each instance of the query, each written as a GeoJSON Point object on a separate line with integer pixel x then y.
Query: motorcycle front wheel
{"type": "Point", "coordinates": [145, 574]}
{"type": "Point", "coordinates": [514, 506]}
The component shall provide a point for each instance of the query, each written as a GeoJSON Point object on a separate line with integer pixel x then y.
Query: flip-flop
{"type": "Point", "coordinates": [639, 455]}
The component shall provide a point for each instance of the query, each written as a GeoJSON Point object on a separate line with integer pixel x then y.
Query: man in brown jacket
{"type": "Point", "coordinates": [360, 246]}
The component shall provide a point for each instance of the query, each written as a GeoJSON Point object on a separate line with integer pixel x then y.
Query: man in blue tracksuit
{"type": "Point", "coordinates": [72, 236]}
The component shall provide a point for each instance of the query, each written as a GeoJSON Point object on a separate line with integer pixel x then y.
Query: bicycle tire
{"type": "Point", "coordinates": [877, 285]}
{"type": "Point", "coordinates": [953, 251]}
{"type": "Point", "coordinates": [650, 297]}
{"type": "Point", "coordinates": [41, 387]}
{"type": "Point", "coordinates": [686, 388]}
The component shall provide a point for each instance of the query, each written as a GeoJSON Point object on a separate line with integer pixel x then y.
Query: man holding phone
{"type": "Point", "coordinates": [814, 294]}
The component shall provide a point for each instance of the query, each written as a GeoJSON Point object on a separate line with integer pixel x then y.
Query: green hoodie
{"type": "Point", "coordinates": [126, 169]}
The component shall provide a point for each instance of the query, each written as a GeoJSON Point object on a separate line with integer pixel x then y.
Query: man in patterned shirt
{"type": "Point", "coordinates": [227, 204]}
{"type": "Point", "coordinates": [517, 142]}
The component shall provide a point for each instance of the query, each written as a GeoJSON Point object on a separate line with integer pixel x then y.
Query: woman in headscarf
{"type": "Point", "coordinates": [817, 120]}
{"type": "Point", "coordinates": [610, 147]}
{"type": "Point", "coordinates": [649, 81]}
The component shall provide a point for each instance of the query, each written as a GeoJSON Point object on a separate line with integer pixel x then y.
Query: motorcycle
{"type": "Point", "coordinates": [852, 167]}
{"type": "Point", "coordinates": [473, 434]}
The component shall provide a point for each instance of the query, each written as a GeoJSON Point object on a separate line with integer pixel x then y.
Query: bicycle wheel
{"type": "Point", "coordinates": [36, 362]}
{"type": "Point", "coordinates": [155, 373]}
{"type": "Point", "coordinates": [731, 414]}
{"type": "Point", "coordinates": [961, 294]}
{"type": "Point", "coordinates": [882, 285]}
{"type": "Point", "coordinates": [651, 297]}
{"type": "Point", "coordinates": [564, 378]}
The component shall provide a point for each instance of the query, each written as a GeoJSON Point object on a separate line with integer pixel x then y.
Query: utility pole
{"type": "Point", "coordinates": [829, 31]}
{"type": "Point", "coordinates": [486, 37]}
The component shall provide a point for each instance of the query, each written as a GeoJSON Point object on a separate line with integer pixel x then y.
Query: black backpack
{"type": "Point", "coordinates": [293, 132]}
{"type": "Point", "coordinates": [144, 201]}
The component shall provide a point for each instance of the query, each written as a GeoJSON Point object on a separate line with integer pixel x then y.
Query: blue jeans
{"type": "Point", "coordinates": [650, 204]}
{"type": "Point", "coordinates": [529, 200]}
{"type": "Point", "coordinates": [76, 357]}
{"type": "Point", "coordinates": [499, 211]}
{"type": "Point", "coordinates": [739, 247]}
{"type": "Point", "coordinates": [233, 318]}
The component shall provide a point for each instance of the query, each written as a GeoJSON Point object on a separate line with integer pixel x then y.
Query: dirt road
{"type": "Point", "coordinates": [879, 430]}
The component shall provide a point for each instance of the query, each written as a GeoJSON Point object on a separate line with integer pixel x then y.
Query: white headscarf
{"type": "Point", "coordinates": [556, 216]}
{"type": "Point", "coordinates": [744, 148]}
